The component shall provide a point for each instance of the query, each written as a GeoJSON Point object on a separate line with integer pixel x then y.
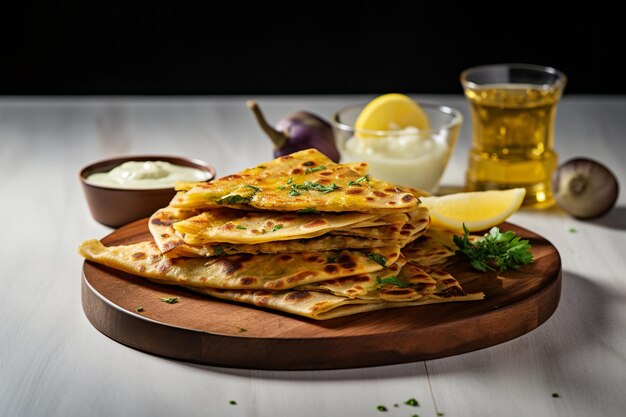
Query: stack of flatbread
{"type": "Point", "coordinates": [300, 234]}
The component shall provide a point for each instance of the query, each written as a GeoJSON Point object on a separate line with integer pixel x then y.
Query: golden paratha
{"type": "Point", "coordinates": [244, 271]}
{"type": "Point", "coordinates": [435, 247]}
{"type": "Point", "coordinates": [305, 180]}
{"type": "Point", "coordinates": [402, 281]}
{"type": "Point", "coordinates": [169, 241]}
{"type": "Point", "coordinates": [322, 305]}
{"type": "Point", "coordinates": [226, 225]}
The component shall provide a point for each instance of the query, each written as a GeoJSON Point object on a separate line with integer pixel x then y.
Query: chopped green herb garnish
{"type": "Point", "coordinates": [396, 405]}
{"type": "Point", "coordinates": [392, 281]}
{"type": "Point", "coordinates": [495, 251]}
{"type": "Point", "coordinates": [307, 210]}
{"type": "Point", "coordinates": [310, 185]}
{"type": "Point", "coordinates": [232, 402]}
{"type": "Point", "coordinates": [573, 230]}
{"type": "Point", "coordinates": [378, 258]}
{"type": "Point", "coordinates": [169, 300]}
{"type": "Point", "coordinates": [277, 227]}
{"type": "Point", "coordinates": [314, 169]}
{"type": "Point", "coordinates": [415, 415]}
{"type": "Point", "coordinates": [412, 402]}
{"type": "Point", "coordinates": [290, 181]}
{"type": "Point", "coordinates": [219, 251]}
{"type": "Point", "coordinates": [555, 395]}
{"type": "Point", "coordinates": [261, 166]}
{"type": "Point", "coordinates": [440, 414]}
{"type": "Point", "coordinates": [239, 199]}
{"type": "Point", "coordinates": [381, 408]}
{"type": "Point", "coordinates": [331, 259]}
{"type": "Point", "coordinates": [241, 227]}
{"type": "Point", "coordinates": [281, 187]}
{"type": "Point", "coordinates": [358, 182]}
{"type": "Point", "coordinates": [242, 330]}
{"type": "Point", "coordinates": [234, 199]}
{"type": "Point", "coordinates": [138, 309]}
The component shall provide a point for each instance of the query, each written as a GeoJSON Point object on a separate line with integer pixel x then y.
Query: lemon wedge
{"type": "Point", "coordinates": [391, 112]}
{"type": "Point", "coordinates": [479, 210]}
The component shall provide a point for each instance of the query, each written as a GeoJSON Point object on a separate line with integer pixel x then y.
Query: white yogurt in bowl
{"type": "Point", "coordinates": [147, 175]}
{"type": "Point", "coordinates": [409, 157]}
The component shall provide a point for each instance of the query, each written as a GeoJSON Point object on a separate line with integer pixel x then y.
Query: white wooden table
{"type": "Point", "coordinates": [54, 363]}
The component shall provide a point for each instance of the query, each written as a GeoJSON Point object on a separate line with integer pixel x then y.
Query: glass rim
{"type": "Point", "coordinates": [560, 81]}
{"type": "Point", "coordinates": [457, 119]}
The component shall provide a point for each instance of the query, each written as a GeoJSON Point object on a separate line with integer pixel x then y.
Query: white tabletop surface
{"type": "Point", "coordinates": [54, 363]}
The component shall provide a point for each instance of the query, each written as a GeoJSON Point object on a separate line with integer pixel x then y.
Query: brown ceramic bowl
{"type": "Point", "coordinates": [115, 207]}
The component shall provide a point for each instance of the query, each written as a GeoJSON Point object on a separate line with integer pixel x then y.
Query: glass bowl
{"type": "Point", "coordinates": [409, 157]}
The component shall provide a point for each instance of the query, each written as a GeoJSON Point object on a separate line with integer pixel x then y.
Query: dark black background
{"type": "Point", "coordinates": [162, 48]}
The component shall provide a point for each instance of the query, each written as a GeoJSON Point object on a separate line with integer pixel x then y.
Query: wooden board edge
{"type": "Point", "coordinates": [274, 354]}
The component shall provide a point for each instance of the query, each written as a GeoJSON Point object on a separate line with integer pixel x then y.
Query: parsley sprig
{"type": "Point", "coordinates": [495, 251]}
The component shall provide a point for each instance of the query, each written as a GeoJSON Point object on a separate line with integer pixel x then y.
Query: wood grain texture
{"type": "Point", "coordinates": [209, 331]}
{"type": "Point", "coordinates": [53, 362]}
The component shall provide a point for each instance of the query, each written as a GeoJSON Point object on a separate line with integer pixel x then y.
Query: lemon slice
{"type": "Point", "coordinates": [478, 210]}
{"type": "Point", "coordinates": [391, 112]}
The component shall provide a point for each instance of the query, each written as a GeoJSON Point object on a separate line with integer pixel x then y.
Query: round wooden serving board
{"type": "Point", "coordinates": [214, 332]}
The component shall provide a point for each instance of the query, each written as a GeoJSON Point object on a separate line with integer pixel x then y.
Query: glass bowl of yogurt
{"type": "Point", "coordinates": [409, 157]}
{"type": "Point", "coordinates": [121, 190]}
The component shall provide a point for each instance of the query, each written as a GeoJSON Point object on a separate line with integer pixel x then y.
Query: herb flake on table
{"type": "Point", "coordinates": [232, 402]}
{"type": "Point", "coordinates": [496, 251]}
{"type": "Point", "coordinates": [381, 408]}
{"type": "Point", "coordinates": [555, 395]}
{"type": "Point", "coordinates": [412, 402]}
{"type": "Point", "coordinates": [572, 230]}
{"type": "Point", "coordinates": [170, 300]}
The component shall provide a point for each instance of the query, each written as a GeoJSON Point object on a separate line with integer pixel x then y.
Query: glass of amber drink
{"type": "Point", "coordinates": [513, 108]}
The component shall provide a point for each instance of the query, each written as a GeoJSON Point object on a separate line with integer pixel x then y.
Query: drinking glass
{"type": "Point", "coordinates": [513, 108]}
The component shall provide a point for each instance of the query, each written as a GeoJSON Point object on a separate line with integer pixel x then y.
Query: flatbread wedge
{"type": "Point", "coordinates": [280, 271]}
{"type": "Point", "coordinates": [226, 225]}
{"type": "Point", "coordinates": [322, 306]}
{"type": "Point", "coordinates": [402, 281]}
{"type": "Point", "coordinates": [169, 240]}
{"type": "Point", "coordinates": [305, 180]}
{"type": "Point", "coordinates": [434, 248]}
